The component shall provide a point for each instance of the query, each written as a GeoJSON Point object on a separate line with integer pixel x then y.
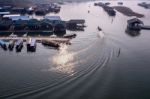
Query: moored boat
{"type": "Point", "coordinates": [3, 45]}
{"type": "Point", "coordinates": [19, 45]}
{"type": "Point", "coordinates": [70, 36]}
{"type": "Point", "coordinates": [50, 43]}
{"type": "Point", "coordinates": [11, 45]}
{"type": "Point", "coordinates": [31, 44]}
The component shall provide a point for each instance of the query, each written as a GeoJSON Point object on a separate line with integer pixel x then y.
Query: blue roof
{"type": "Point", "coordinates": [4, 13]}
{"type": "Point", "coordinates": [15, 18]}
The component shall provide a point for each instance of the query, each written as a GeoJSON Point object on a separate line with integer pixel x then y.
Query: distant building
{"type": "Point", "coordinates": [76, 24]}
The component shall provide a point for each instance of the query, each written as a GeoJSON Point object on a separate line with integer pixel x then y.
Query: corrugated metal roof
{"type": "Point", "coordinates": [11, 15]}
{"type": "Point", "coordinates": [4, 13]}
{"type": "Point", "coordinates": [77, 21]}
{"type": "Point", "coordinates": [15, 18]}
{"type": "Point", "coordinates": [53, 18]}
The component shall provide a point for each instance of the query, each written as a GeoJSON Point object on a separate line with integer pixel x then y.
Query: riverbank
{"type": "Point", "coordinates": [127, 11]}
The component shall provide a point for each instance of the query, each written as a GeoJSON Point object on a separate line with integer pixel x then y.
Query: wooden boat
{"type": "Point", "coordinates": [19, 45]}
{"type": "Point", "coordinates": [29, 41]}
{"type": "Point", "coordinates": [3, 45]}
{"type": "Point", "coordinates": [31, 45]}
{"type": "Point", "coordinates": [50, 43]}
{"type": "Point", "coordinates": [99, 29]}
{"type": "Point", "coordinates": [11, 45]}
{"type": "Point", "coordinates": [70, 36]}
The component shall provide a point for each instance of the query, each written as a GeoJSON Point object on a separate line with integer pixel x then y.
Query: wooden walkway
{"type": "Point", "coordinates": [39, 39]}
{"type": "Point", "coordinates": [145, 27]}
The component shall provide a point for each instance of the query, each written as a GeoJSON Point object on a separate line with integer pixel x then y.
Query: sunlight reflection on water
{"type": "Point", "coordinates": [64, 60]}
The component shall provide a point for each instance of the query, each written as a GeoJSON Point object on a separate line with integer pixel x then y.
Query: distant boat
{"type": "Point", "coordinates": [120, 3]}
{"type": "Point", "coordinates": [70, 36]}
{"type": "Point", "coordinates": [99, 29]}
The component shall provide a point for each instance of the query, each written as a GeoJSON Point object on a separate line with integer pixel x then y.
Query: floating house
{"type": "Point", "coordinates": [58, 24]}
{"type": "Point", "coordinates": [30, 10]}
{"type": "Point", "coordinates": [40, 11]}
{"type": "Point", "coordinates": [18, 10]}
{"type": "Point", "coordinates": [33, 24]}
{"type": "Point", "coordinates": [19, 22]}
{"type": "Point", "coordinates": [76, 24]}
{"type": "Point", "coordinates": [5, 25]}
{"type": "Point", "coordinates": [134, 24]}
{"type": "Point", "coordinates": [145, 5]}
{"type": "Point", "coordinates": [46, 24]}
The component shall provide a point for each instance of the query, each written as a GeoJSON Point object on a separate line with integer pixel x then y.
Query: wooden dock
{"type": "Point", "coordinates": [145, 27]}
{"type": "Point", "coordinates": [39, 39]}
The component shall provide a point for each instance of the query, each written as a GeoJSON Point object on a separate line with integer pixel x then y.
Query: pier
{"type": "Point", "coordinates": [145, 27]}
{"type": "Point", "coordinates": [38, 39]}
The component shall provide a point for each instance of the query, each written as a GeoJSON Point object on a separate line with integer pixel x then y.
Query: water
{"type": "Point", "coordinates": [108, 65]}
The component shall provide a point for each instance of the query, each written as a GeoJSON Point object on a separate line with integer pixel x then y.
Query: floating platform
{"type": "Point", "coordinates": [145, 27]}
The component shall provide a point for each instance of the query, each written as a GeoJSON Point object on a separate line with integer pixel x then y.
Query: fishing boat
{"type": "Point", "coordinates": [3, 45]}
{"type": "Point", "coordinates": [99, 29]}
{"type": "Point", "coordinates": [19, 45]}
{"type": "Point", "coordinates": [50, 43]}
{"type": "Point", "coordinates": [31, 44]}
{"type": "Point", "coordinates": [11, 45]}
{"type": "Point", "coordinates": [29, 41]}
{"type": "Point", "coordinates": [70, 36]}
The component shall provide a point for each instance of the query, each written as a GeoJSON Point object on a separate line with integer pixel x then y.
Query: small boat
{"type": "Point", "coordinates": [19, 45]}
{"type": "Point", "coordinates": [107, 3]}
{"type": "Point", "coordinates": [99, 29]}
{"type": "Point", "coordinates": [53, 36]}
{"type": "Point", "coordinates": [120, 3]}
{"type": "Point", "coordinates": [31, 45]}
{"type": "Point", "coordinates": [50, 43]}
{"type": "Point", "coordinates": [29, 41]}
{"type": "Point", "coordinates": [3, 45]}
{"type": "Point", "coordinates": [11, 45]}
{"type": "Point", "coordinates": [70, 36]}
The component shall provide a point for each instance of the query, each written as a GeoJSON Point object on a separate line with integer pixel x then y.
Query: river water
{"type": "Point", "coordinates": [109, 65]}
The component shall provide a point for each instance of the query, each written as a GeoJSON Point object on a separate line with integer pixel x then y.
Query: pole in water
{"type": "Point", "coordinates": [119, 52]}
